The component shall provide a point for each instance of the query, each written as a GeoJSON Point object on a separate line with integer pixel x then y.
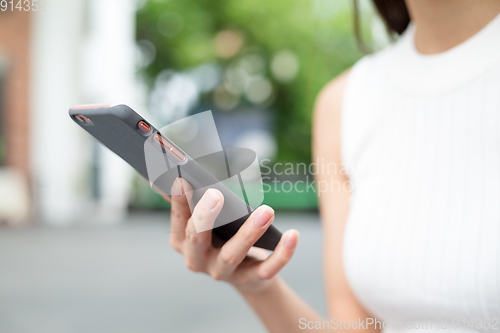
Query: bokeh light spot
{"type": "Point", "coordinates": [228, 43]}
{"type": "Point", "coordinates": [285, 66]}
{"type": "Point", "coordinates": [170, 24]}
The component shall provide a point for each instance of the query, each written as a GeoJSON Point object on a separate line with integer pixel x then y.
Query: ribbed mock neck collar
{"type": "Point", "coordinates": [419, 74]}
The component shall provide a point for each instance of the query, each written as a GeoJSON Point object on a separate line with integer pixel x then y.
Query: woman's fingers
{"type": "Point", "coordinates": [180, 212]}
{"type": "Point", "coordinates": [254, 273]}
{"type": "Point", "coordinates": [280, 257]}
{"type": "Point", "coordinates": [192, 235]}
{"type": "Point", "coordinates": [199, 229]}
{"type": "Point", "coordinates": [236, 248]}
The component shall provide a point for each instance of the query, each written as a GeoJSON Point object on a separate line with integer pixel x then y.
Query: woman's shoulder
{"type": "Point", "coordinates": [378, 61]}
{"type": "Point", "coordinates": [363, 67]}
{"type": "Point", "coordinates": [329, 100]}
{"type": "Point", "coordinates": [367, 69]}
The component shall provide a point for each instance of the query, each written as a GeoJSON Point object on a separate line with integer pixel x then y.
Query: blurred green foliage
{"type": "Point", "coordinates": [319, 32]}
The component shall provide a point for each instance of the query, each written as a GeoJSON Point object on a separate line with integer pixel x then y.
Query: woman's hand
{"type": "Point", "coordinates": [236, 262]}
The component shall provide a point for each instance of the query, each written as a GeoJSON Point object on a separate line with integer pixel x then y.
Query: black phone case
{"type": "Point", "coordinates": [116, 128]}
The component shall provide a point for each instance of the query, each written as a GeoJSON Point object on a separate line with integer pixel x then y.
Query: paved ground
{"type": "Point", "coordinates": [126, 279]}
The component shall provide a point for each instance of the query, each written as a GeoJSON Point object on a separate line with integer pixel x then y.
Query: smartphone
{"type": "Point", "coordinates": [125, 132]}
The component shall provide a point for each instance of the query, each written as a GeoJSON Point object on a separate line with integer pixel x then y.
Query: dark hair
{"type": "Point", "coordinates": [393, 12]}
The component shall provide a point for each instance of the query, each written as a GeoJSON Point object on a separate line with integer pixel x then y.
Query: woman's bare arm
{"type": "Point", "coordinates": [281, 309]}
{"type": "Point", "coordinates": [334, 201]}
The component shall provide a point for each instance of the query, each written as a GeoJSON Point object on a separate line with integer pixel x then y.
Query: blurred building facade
{"type": "Point", "coordinates": [72, 52]}
{"type": "Point", "coordinates": [14, 79]}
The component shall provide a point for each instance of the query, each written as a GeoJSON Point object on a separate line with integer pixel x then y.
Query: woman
{"type": "Point", "coordinates": [415, 243]}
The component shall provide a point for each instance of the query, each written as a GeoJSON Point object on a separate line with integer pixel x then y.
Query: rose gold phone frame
{"type": "Point", "coordinates": [93, 106]}
{"type": "Point", "coordinates": [165, 144]}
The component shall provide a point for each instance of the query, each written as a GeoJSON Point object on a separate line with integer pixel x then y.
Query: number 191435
{"type": "Point", "coordinates": [23, 5]}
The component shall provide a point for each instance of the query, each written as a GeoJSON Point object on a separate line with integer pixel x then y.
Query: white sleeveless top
{"type": "Point", "coordinates": [421, 144]}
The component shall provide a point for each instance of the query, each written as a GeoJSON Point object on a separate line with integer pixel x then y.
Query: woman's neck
{"type": "Point", "coordinates": [444, 24]}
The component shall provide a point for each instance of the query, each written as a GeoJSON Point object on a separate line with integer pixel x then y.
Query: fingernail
{"type": "Point", "coordinates": [291, 239]}
{"type": "Point", "coordinates": [177, 187]}
{"type": "Point", "coordinates": [263, 215]}
{"type": "Point", "coordinates": [210, 199]}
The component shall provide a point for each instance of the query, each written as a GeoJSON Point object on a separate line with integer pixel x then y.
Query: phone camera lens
{"type": "Point", "coordinates": [144, 127]}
